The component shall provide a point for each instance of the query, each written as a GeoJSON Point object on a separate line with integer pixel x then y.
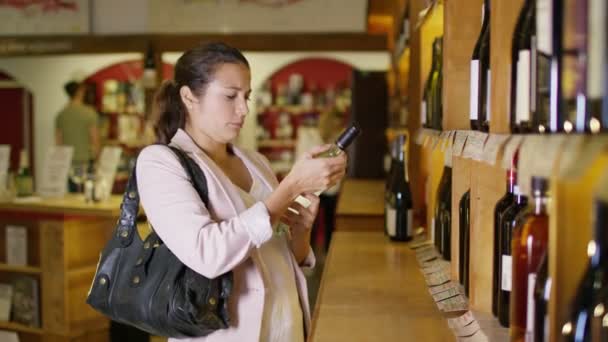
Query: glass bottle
{"type": "Point", "coordinates": [523, 70]}
{"type": "Point", "coordinates": [528, 245]}
{"type": "Point", "coordinates": [464, 211]}
{"type": "Point", "coordinates": [443, 214]}
{"type": "Point", "coordinates": [589, 305]}
{"type": "Point", "coordinates": [485, 74]}
{"type": "Point", "coordinates": [475, 85]}
{"type": "Point", "coordinates": [399, 208]}
{"type": "Point", "coordinates": [513, 214]}
{"type": "Point", "coordinates": [501, 206]}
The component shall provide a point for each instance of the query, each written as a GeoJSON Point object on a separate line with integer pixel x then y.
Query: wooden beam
{"type": "Point", "coordinates": [54, 45]}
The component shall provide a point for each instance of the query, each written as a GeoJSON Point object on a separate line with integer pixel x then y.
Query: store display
{"type": "Point", "coordinates": [528, 245]}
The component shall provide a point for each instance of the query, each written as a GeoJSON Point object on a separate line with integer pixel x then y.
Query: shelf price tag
{"type": "Point", "coordinates": [459, 141]}
{"type": "Point", "coordinates": [437, 278]}
{"type": "Point", "coordinates": [457, 303]}
{"type": "Point", "coordinates": [448, 149]}
{"type": "Point", "coordinates": [56, 167]}
{"type": "Point", "coordinates": [436, 266]}
{"type": "Point", "coordinates": [449, 293]}
{"type": "Point", "coordinates": [440, 288]}
{"type": "Point", "coordinates": [492, 147]}
{"type": "Point", "coordinates": [474, 146]}
{"type": "Point", "coordinates": [467, 330]}
{"type": "Point", "coordinates": [510, 148]}
{"type": "Point", "coordinates": [548, 151]}
{"type": "Point", "coordinates": [479, 336]}
{"type": "Point", "coordinates": [461, 321]}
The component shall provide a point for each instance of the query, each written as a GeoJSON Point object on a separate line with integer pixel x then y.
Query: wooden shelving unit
{"type": "Point", "coordinates": [570, 211]}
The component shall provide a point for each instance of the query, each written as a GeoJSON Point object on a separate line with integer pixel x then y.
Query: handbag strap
{"type": "Point", "coordinates": [127, 225]}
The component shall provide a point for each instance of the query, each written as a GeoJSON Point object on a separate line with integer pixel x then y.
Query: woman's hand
{"type": "Point", "coordinates": [300, 225]}
{"type": "Point", "coordinates": [310, 174]}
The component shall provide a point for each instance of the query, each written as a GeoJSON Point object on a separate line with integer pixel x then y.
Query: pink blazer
{"type": "Point", "coordinates": [218, 239]}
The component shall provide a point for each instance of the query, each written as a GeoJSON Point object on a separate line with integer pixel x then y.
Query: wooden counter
{"type": "Point", "coordinates": [373, 290]}
{"type": "Point", "coordinates": [361, 205]}
{"type": "Point", "coordinates": [63, 239]}
{"type": "Point", "coordinates": [70, 205]}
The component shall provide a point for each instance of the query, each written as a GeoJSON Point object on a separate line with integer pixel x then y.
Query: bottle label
{"type": "Point", "coordinates": [505, 279]}
{"type": "Point", "coordinates": [474, 84]}
{"type": "Point", "coordinates": [544, 26]}
{"type": "Point", "coordinates": [409, 230]}
{"type": "Point", "coordinates": [423, 113]}
{"type": "Point", "coordinates": [391, 220]}
{"type": "Point", "coordinates": [530, 316]}
{"type": "Point", "coordinates": [522, 93]}
{"type": "Point", "coordinates": [489, 96]}
{"type": "Point", "coordinates": [597, 48]}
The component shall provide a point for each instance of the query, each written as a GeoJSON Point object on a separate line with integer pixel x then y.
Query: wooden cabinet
{"type": "Point", "coordinates": [64, 239]}
{"type": "Point", "coordinates": [570, 209]}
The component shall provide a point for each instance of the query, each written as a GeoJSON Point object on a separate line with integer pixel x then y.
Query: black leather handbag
{"type": "Point", "coordinates": [143, 284]}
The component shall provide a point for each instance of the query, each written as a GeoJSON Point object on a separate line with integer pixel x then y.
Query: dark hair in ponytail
{"type": "Point", "coordinates": [194, 69]}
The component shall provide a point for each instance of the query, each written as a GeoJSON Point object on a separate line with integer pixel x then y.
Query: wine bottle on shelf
{"type": "Point", "coordinates": [549, 14]}
{"type": "Point", "coordinates": [528, 245]}
{"type": "Point", "coordinates": [474, 71]}
{"type": "Point", "coordinates": [426, 110]}
{"type": "Point", "coordinates": [523, 70]}
{"type": "Point", "coordinates": [538, 316]}
{"type": "Point", "coordinates": [485, 74]}
{"type": "Point", "coordinates": [149, 73]}
{"type": "Point", "coordinates": [589, 306]}
{"type": "Point", "coordinates": [399, 208]}
{"type": "Point", "coordinates": [501, 206]}
{"type": "Point", "coordinates": [516, 212]}
{"type": "Point", "coordinates": [24, 181]}
{"type": "Point", "coordinates": [597, 61]}
{"type": "Point", "coordinates": [443, 214]}
{"type": "Point", "coordinates": [436, 84]}
{"type": "Point", "coordinates": [464, 224]}
{"type": "Point", "coordinates": [342, 143]}
{"type": "Point", "coordinates": [390, 177]}
{"type": "Point", "coordinates": [573, 91]}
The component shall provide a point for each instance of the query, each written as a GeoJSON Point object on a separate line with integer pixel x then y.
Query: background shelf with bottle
{"type": "Point", "coordinates": [119, 95]}
{"type": "Point", "coordinates": [570, 210]}
{"type": "Point", "coordinates": [303, 93]}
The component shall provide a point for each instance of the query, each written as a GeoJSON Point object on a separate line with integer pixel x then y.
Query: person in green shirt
{"type": "Point", "coordinates": [76, 125]}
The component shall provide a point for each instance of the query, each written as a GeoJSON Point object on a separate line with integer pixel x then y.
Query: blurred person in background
{"type": "Point", "coordinates": [76, 126]}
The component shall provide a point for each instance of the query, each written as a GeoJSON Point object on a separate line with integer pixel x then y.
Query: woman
{"type": "Point", "coordinates": [201, 111]}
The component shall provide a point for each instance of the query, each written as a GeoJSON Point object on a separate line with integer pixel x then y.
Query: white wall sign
{"type": "Point", "coordinates": [44, 17]}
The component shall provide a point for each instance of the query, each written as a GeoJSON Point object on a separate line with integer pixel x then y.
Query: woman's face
{"type": "Point", "coordinates": [219, 112]}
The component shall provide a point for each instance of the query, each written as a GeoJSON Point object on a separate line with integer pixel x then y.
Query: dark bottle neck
{"type": "Point", "coordinates": [598, 248]}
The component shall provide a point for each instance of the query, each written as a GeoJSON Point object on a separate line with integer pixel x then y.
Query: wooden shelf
{"type": "Point", "coordinates": [12, 326]}
{"type": "Point", "coordinates": [20, 269]}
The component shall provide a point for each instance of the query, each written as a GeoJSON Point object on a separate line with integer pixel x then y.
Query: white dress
{"type": "Point", "coordinates": [282, 319]}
